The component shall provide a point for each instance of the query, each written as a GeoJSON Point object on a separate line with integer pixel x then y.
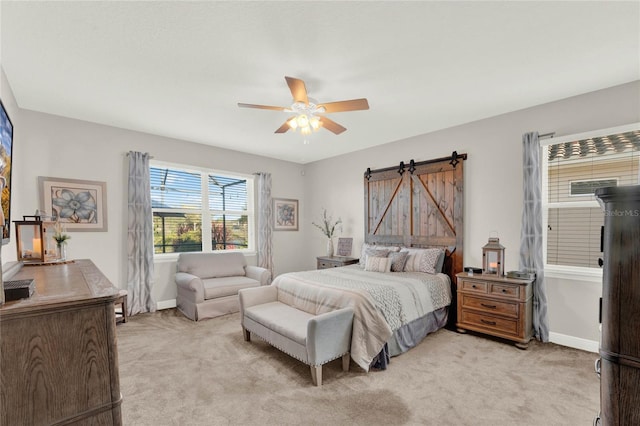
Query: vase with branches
{"type": "Point", "coordinates": [328, 226]}
{"type": "Point", "coordinates": [61, 237]}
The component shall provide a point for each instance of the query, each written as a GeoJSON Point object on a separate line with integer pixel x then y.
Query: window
{"type": "Point", "coordinates": [198, 210]}
{"type": "Point", "coordinates": [574, 169]}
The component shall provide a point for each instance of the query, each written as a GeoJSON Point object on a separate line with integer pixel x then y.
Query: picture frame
{"type": "Point", "coordinates": [344, 246]}
{"type": "Point", "coordinates": [78, 205]}
{"type": "Point", "coordinates": [285, 214]}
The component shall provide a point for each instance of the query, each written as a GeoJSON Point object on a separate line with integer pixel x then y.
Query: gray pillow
{"type": "Point", "coordinates": [398, 259]}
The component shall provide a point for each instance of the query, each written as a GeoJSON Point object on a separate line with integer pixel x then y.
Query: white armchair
{"type": "Point", "coordinates": [208, 283]}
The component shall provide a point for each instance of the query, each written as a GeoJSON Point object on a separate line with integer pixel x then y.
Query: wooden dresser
{"type": "Point", "coordinates": [325, 262]}
{"type": "Point", "coordinates": [497, 306]}
{"type": "Point", "coordinates": [58, 354]}
{"type": "Point", "coordinates": [620, 339]}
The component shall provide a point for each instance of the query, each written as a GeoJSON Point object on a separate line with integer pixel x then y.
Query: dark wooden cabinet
{"type": "Point", "coordinates": [620, 339]}
{"type": "Point", "coordinates": [497, 306]}
{"type": "Point", "coordinates": [325, 262]}
{"type": "Point", "coordinates": [58, 355]}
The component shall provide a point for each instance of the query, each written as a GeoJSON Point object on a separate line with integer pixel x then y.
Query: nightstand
{"type": "Point", "coordinates": [325, 262]}
{"type": "Point", "coordinates": [497, 306]}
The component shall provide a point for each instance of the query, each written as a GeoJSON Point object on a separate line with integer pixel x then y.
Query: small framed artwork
{"type": "Point", "coordinates": [285, 214]}
{"type": "Point", "coordinates": [79, 205]}
{"type": "Point", "coordinates": [344, 246]}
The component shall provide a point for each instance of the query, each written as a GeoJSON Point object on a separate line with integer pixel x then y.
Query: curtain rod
{"type": "Point", "coordinates": [546, 135]}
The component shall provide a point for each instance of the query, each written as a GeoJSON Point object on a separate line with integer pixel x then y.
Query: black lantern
{"type": "Point", "coordinates": [493, 257]}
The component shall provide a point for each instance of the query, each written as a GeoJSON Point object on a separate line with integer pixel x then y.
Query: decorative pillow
{"type": "Point", "coordinates": [366, 246]}
{"type": "Point", "coordinates": [422, 260]}
{"type": "Point", "coordinates": [398, 260]}
{"type": "Point", "coordinates": [440, 262]}
{"type": "Point", "coordinates": [378, 264]}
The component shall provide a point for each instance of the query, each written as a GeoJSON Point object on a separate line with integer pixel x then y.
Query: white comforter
{"type": "Point", "coordinates": [382, 302]}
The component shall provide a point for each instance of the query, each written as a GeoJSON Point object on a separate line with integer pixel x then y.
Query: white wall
{"type": "Point", "coordinates": [493, 186]}
{"type": "Point", "coordinates": [48, 145]}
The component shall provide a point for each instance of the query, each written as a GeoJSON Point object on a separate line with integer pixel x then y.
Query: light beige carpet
{"type": "Point", "coordinates": [177, 372]}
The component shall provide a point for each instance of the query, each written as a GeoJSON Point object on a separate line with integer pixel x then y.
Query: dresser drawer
{"type": "Point", "coordinates": [503, 325]}
{"type": "Point", "coordinates": [472, 286]}
{"type": "Point", "coordinates": [505, 290]}
{"type": "Point", "coordinates": [509, 309]}
{"type": "Point", "coordinates": [325, 265]}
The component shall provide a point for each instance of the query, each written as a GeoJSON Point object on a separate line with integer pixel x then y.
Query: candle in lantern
{"type": "Point", "coordinates": [36, 247]}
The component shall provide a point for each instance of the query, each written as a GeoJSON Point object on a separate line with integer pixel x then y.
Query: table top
{"type": "Point", "coordinates": [63, 285]}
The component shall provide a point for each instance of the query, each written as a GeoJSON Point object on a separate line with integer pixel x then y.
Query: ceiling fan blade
{"type": "Point", "coordinates": [275, 108]}
{"type": "Point", "coordinates": [298, 90]}
{"type": "Point", "coordinates": [341, 106]}
{"type": "Point", "coordinates": [332, 126]}
{"type": "Point", "coordinates": [285, 126]}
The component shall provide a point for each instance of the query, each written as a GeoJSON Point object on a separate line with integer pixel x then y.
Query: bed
{"type": "Point", "coordinates": [410, 207]}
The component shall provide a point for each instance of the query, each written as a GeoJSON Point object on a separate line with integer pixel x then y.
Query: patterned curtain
{"type": "Point", "coordinates": [140, 236]}
{"type": "Point", "coordinates": [265, 222]}
{"type": "Point", "coordinates": [531, 233]}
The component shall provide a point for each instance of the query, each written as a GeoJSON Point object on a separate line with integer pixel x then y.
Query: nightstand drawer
{"type": "Point", "coordinates": [474, 286]}
{"type": "Point", "coordinates": [503, 325]}
{"type": "Point", "coordinates": [506, 290]}
{"type": "Point", "coordinates": [325, 265]}
{"type": "Point", "coordinates": [487, 305]}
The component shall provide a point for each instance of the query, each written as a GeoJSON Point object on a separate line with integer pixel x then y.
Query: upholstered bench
{"type": "Point", "coordinates": [312, 339]}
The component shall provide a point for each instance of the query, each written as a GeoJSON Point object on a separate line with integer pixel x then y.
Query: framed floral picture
{"type": "Point", "coordinates": [79, 205]}
{"type": "Point", "coordinates": [285, 214]}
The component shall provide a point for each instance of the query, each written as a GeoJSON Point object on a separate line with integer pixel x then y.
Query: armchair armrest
{"type": "Point", "coordinates": [259, 274]}
{"type": "Point", "coordinates": [328, 335]}
{"type": "Point", "coordinates": [191, 283]}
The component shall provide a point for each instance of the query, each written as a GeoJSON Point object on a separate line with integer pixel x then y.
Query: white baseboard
{"type": "Point", "coordinates": [166, 304]}
{"type": "Point", "coordinates": [574, 342]}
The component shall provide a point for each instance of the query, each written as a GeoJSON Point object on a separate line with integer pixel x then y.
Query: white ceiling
{"type": "Point", "coordinates": [178, 69]}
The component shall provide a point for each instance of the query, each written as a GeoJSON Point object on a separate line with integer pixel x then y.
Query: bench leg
{"type": "Point", "coordinates": [247, 334]}
{"type": "Point", "coordinates": [316, 375]}
{"type": "Point", "coordinates": [346, 359]}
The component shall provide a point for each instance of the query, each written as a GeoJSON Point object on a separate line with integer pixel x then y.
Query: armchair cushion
{"type": "Point", "coordinates": [226, 286]}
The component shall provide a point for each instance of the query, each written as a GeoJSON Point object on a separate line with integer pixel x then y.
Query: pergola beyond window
{"type": "Point", "coordinates": [200, 211]}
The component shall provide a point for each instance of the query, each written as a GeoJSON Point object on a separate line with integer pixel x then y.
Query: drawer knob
{"type": "Point", "coordinates": [489, 306]}
{"type": "Point", "coordinates": [504, 290]}
{"type": "Point", "coordinates": [488, 322]}
{"type": "Point", "coordinates": [473, 286]}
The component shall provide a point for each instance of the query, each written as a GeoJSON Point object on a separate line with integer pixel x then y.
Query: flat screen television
{"type": "Point", "coordinates": [6, 150]}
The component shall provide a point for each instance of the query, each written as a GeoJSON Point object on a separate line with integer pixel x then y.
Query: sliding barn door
{"type": "Point", "coordinates": [422, 207]}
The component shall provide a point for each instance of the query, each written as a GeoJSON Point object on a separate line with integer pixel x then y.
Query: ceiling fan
{"type": "Point", "coordinates": [309, 114]}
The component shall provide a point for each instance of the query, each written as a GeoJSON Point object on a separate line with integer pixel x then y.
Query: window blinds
{"type": "Point", "coordinates": [575, 169]}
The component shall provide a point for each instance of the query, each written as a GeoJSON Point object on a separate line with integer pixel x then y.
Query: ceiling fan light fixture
{"type": "Point", "coordinates": [293, 123]}
{"type": "Point", "coordinates": [303, 121]}
{"type": "Point", "coordinates": [314, 122]}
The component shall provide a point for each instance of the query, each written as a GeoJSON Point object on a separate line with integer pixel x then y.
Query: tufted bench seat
{"type": "Point", "coordinates": [312, 339]}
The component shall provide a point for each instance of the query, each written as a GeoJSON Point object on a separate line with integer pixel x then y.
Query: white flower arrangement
{"type": "Point", "coordinates": [328, 226]}
{"type": "Point", "coordinates": [60, 234]}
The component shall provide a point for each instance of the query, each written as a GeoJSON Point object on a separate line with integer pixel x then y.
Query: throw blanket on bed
{"type": "Point", "coordinates": [382, 302]}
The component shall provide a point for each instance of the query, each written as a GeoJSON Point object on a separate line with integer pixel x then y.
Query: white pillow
{"type": "Point", "coordinates": [378, 264]}
{"type": "Point", "coordinates": [422, 260]}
